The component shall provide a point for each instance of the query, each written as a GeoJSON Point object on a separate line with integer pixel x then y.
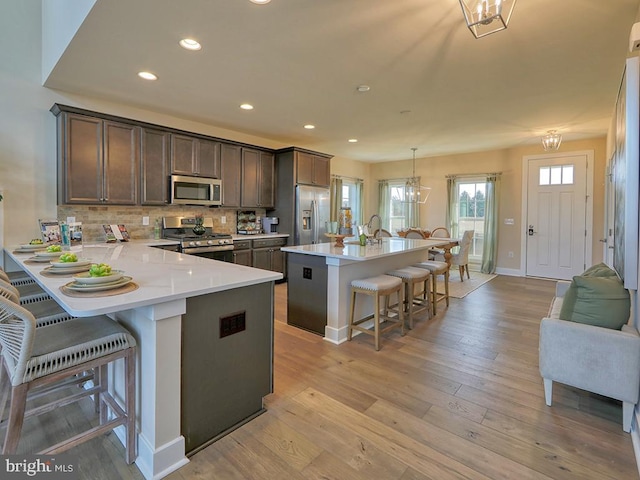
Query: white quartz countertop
{"type": "Point", "coordinates": [353, 251]}
{"type": "Point", "coordinates": [162, 276]}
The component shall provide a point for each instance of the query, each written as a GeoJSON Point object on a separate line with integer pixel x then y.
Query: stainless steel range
{"type": "Point", "coordinates": [217, 246]}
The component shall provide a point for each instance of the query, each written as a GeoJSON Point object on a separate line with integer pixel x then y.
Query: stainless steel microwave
{"type": "Point", "coordinates": [187, 190]}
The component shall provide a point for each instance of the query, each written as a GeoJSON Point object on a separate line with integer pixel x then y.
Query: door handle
{"type": "Point", "coordinates": [603, 240]}
{"type": "Point", "coordinates": [531, 231]}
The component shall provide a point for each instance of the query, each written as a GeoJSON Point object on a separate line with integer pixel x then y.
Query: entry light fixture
{"type": "Point", "coordinates": [413, 191]}
{"type": "Point", "coordinates": [551, 141]}
{"type": "Point", "coordinates": [485, 17]}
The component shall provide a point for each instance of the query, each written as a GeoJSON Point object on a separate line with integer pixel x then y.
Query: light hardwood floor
{"type": "Point", "coordinates": [459, 396]}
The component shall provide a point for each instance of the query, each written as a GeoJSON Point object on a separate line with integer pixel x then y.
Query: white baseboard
{"type": "Point", "coordinates": [510, 272]}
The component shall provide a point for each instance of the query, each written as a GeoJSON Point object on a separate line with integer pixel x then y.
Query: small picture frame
{"type": "Point", "coordinates": [109, 233]}
{"type": "Point", "coordinates": [50, 231]}
{"type": "Point", "coordinates": [75, 233]}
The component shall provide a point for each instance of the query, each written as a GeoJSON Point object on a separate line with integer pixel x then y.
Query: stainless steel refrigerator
{"type": "Point", "coordinates": [312, 210]}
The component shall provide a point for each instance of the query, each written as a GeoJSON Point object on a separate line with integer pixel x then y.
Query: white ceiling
{"type": "Point", "coordinates": [557, 66]}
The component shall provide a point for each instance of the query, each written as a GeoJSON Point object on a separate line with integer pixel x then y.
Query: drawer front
{"type": "Point", "coordinates": [269, 242]}
{"type": "Point", "coordinates": [241, 244]}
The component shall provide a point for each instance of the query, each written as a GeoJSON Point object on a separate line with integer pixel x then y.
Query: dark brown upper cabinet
{"type": "Point", "coordinates": [258, 176]}
{"type": "Point", "coordinates": [154, 166]}
{"type": "Point", "coordinates": [97, 160]}
{"type": "Point", "coordinates": [231, 171]}
{"type": "Point", "coordinates": [195, 156]}
{"type": "Point", "coordinates": [312, 169]}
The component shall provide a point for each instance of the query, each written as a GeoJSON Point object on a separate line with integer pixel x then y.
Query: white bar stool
{"type": "Point", "coordinates": [380, 286]}
{"type": "Point", "coordinates": [437, 268]}
{"type": "Point", "coordinates": [412, 276]}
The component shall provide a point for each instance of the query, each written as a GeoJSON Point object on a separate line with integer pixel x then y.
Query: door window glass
{"type": "Point", "coordinates": [556, 175]}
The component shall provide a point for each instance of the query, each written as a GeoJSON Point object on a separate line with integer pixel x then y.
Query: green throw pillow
{"type": "Point", "coordinates": [599, 270]}
{"type": "Point", "coordinates": [599, 301]}
{"type": "Point", "coordinates": [571, 295]}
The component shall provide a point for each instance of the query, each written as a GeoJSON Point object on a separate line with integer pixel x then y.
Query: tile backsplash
{"type": "Point", "coordinates": [94, 216]}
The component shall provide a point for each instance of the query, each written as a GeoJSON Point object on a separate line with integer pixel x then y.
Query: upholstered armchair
{"type": "Point", "coordinates": [601, 360]}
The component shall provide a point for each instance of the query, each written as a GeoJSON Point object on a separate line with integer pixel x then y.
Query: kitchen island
{"type": "Point", "coordinates": [320, 275]}
{"type": "Point", "coordinates": [178, 298]}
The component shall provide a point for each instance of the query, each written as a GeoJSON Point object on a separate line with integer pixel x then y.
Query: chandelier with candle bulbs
{"type": "Point", "coordinates": [413, 191]}
{"type": "Point", "coordinates": [551, 141]}
{"type": "Point", "coordinates": [485, 17]}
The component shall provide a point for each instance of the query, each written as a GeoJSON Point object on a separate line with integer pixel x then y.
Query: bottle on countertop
{"type": "Point", "coordinates": [65, 236]}
{"type": "Point", "coordinates": [156, 229]}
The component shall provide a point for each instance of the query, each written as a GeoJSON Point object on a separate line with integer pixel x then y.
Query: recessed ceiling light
{"type": "Point", "coordinates": [260, 2]}
{"type": "Point", "coordinates": [309, 127]}
{"type": "Point", "coordinates": [147, 75]}
{"type": "Point", "coordinates": [246, 106]}
{"type": "Point", "coordinates": [353, 140]}
{"type": "Point", "coordinates": [363, 88]}
{"type": "Point", "coordinates": [190, 44]}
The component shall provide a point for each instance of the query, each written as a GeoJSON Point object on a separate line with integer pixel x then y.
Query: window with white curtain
{"type": "Point", "coordinates": [471, 212]}
{"type": "Point", "coordinates": [397, 212]}
{"type": "Point", "coordinates": [351, 196]}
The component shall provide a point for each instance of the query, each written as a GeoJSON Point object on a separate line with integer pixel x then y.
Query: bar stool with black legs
{"type": "Point", "coordinates": [437, 269]}
{"type": "Point", "coordinates": [412, 276]}
{"type": "Point", "coordinates": [380, 287]}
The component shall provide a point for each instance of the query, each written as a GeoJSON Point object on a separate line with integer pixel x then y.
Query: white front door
{"type": "Point", "coordinates": [556, 221]}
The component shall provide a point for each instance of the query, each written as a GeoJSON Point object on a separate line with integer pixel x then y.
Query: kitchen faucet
{"type": "Point", "coordinates": [379, 231]}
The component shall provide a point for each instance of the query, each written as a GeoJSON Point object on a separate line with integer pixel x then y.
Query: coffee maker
{"type": "Point", "coordinates": [270, 224]}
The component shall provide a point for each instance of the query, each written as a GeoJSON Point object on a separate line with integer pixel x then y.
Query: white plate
{"type": "Point", "coordinates": [96, 288]}
{"type": "Point", "coordinates": [66, 271]}
{"type": "Point", "coordinates": [80, 263]}
{"type": "Point", "coordinates": [40, 259]}
{"type": "Point", "coordinates": [28, 246]}
{"type": "Point", "coordinates": [86, 279]}
{"type": "Point", "coordinates": [44, 253]}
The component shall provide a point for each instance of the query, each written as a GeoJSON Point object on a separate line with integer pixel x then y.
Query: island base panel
{"type": "Point", "coordinates": [307, 292]}
{"type": "Point", "coordinates": [227, 351]}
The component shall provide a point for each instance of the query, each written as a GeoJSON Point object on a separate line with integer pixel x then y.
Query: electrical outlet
{"type": "Point", "coordinates": [145, 220]}
{"type": "Point", "coordinates": [233, 323]}
{"type": "Point", "coordinates": [306, 273]}
{"type": "Point", "coordinates": [223, 219]}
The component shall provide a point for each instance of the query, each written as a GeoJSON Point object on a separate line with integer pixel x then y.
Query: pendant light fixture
{"type": "Point", "coordinates": [551, 141]}
{"type": "Point", "coordinates": [485, 17]}
{"type": "Point", "coordinates": [413, 191]}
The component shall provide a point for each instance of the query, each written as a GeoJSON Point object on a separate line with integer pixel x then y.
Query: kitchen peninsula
{"type": "Point", "coordinates": [191, 382]}
{"type": "Point", "coordinates": [320, 275]}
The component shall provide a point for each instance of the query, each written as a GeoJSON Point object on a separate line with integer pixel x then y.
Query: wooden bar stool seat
{"type": "Point", "coordinates": [437, 268]}
{"type": "Point", "coordinates": [51, 357]}
{"type": "Point", "coordinates": [412, 276]}
{"type": "Point", "coordinates": [377, 287]}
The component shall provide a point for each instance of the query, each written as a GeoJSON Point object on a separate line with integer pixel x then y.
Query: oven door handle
{"type": "Point", "coordinates": [193, 250]}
